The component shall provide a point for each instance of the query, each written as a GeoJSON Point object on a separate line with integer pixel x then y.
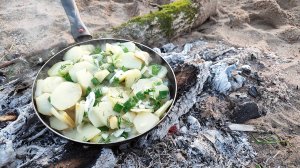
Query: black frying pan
{"type": "Point", "coordinates": [82, 36]}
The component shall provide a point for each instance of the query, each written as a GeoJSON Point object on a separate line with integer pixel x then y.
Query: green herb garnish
{"type": "Point", "coordinates": [103, 128]}
{"type": "Point", "coordinates": [140, 95]}
{"type": "Point", "coordinates": [129, 104]}
{"type": "Point", "coordinates": [155, 69]}
{"type": "Point", "coordinates": [163, 94]}
{"type": "Point", "coordinates": [49, 99]}
{"type": "Point", "coordinates": [98, 93]}
{"type": "Point", "coordinates": [111, 68]}
{"type": "Point", "coordinates": [97, 50]}
{"type": "Point", "coordinates": [124, 68]}
{"type": "Point", "coordinates": [125, 135]}
{"type": "Point", "coordinates": [107, 140]}
{"type": "Point", "coordinates": [119, 121]}
{"type": "Point", "coordinates": [95, 81]}
{"type": "Point", "coordinates": [116, 81]}
{"type": "Point", "coordinates": [88, 91]}
{"type": "Point", "coordinates": [67, 77]}
{"type": "Point", "coordinates": [85, 114]}
{"type": "Point", "coordinates": [125, 49]}
{"type": "Point", "coordinates": [118, 107]}
{"type": "Point", "coordinates": [155, 103]}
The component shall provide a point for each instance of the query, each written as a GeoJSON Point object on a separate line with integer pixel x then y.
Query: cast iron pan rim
{"type": "Point", "coordinates": [102, 144]}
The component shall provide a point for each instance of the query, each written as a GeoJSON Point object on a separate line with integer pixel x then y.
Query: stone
{"type": "Point", "coordinates": [245, 112]}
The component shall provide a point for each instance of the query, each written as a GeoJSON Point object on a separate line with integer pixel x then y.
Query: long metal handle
{"type": "Point", "coordinates": [78, 28]}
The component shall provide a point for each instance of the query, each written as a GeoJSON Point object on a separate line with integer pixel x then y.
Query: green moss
{"type": "Point", "coordinates": [166, 16]}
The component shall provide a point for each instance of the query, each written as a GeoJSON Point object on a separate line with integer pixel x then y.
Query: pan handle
{"type": "Point", "coordinates": [78, 28]}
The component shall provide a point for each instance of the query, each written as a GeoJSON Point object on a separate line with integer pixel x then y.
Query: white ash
{"type": "Point", "coordinates": [200, 142]}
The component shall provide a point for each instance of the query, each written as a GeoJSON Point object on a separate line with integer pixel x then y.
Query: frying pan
{"type": "Point", "coordinates": [83, 36]}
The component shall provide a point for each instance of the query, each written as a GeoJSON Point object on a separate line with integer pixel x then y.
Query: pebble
{"type": "Point", "coordinates": [183, 130]}
{"type": "Point", "coordinates": [191, 120]}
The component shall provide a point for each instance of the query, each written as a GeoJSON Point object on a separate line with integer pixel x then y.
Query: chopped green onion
{"type": "Point", "coordinates": [68, 77]}
{"type": "Point", "coordinates": [107, 140]}
{"type": "Point", "coordinates": [98, 93]}
{"type": "Point", "coordinates": [155, 69]}
{"type": "Point", "coordinates": [125, 135]}
{"type": "Point", "coordinates": [129, 104]}
{"type": "Point", "coordinates": [163, 94]}
{"type": "Point", "coordinates": [156, 103]}
{"type": "Point", "coordinates": [157, 83]}
{"type": "Point", "coordinates": [88, 91]}
{"type": "Point", "coordinates": [111, 68]}
{"type": "Point", "coordinates": [95, 81]}
{"type": "Point", "coordinates": [140, 95]}
{"type": "Point", "coordinates": [85, 114]}
{"type": "Point", "coordinates": [49, 99]}
{"type": "Point", "coordinates": [148, 91]}
{"type": "Point", "coordinates": [96, 51]}
{"type": "Point", "coordinates": [125, 49]}
{"type": "Point", "coordinates": [124, 68]}
{"type": "Point", "coordinates": [103, 128]}
{"type": "Point", "coordinates": [97, 101]}
{"type": "Point", "coordinates": [119, 121]}
{"type": "Point", "coordinates": [118, 107]}
{"type": "Point", "coordinates": [116, 81]}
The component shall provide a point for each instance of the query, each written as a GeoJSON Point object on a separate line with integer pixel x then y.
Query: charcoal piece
{"type": "Point", "coordinates": [252, 91]}
{"type": "Point", "coordinates": [245, 112]}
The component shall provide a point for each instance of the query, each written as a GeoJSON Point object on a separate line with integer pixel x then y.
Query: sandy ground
{"type": "Point", "coordinates": [36, 29]}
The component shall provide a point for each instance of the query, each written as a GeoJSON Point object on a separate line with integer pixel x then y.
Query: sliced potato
{"type": "Point", "coordinates": [105, 110]}
{"type": "Point", "coordinates": [144, 84]}
{"type": "Point", "coordinates": [112, 122]}
{"type": "Point", "coordinates": [87, 132]}
{"type": "Point", "coordinates": [43, 104]}
{"type": "Point", "coordinates": [89, 48]}
{"type": "Point", "coordinates": [57, 124]}
{"type": "Point", "coordinates": [71, 133]}
{"type": "Point", "coordinates": [129, 61]}
{"type": "Point", "coordinates": [80, 66]}
{"type": "Point", "coordinates": [79, 111]}
{"type": "Point", "coordinates": [74, 54]}
{"type": "Point", "coordinates": [115, 49]}
{"type": "Point", "coordinates": [142, 110]}
{"type": "Point", "coordinates": [39, 87]}
{"type": "Point", "coordinates": [145, 121]}
{"type": "Point", "coordinates": [64, 117]}
{"type": "Point", "coordinates": [101, 75]}
{"type": "Point", "coordinates": [66, 95]}
{"type": "Point", "coordinates": [87, 58]}
{"type": "Point", "coordinates": [130, 46]}
{"type": "Point", "coordinates": [84, 78]}
{"type": "Point", "coordinates": [129, 116]}
{"type": "Point", "coordinates": [159, 112]}
{"type": "Point", "coordinates": [94, 118]}
{"type": "Point", "coordinates": [130, 77]}
{"type": "Point", "coordinates": [60, 68]}
{"type": "Point", "coordinates": [144, 56]}
{"type": "Point", "coordinates": [50, 83]}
